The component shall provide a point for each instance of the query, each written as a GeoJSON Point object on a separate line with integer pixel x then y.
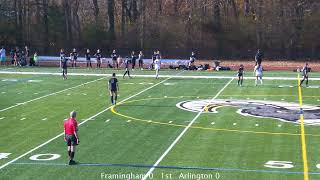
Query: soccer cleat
{"type": "Point", "coordinates": [72, 162]}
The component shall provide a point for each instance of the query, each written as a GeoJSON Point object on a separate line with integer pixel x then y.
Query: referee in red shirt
{"type": "Point", "coordinates": [70, 135]}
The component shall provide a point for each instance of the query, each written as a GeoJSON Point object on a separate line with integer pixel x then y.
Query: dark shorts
{"type": "Point", "coordinates": [240, 74]}
{"type": "Point", "coordinates": [113, 90]}
{"type": "Point", "coordinates": [71, 140]}
{"type": "Point", "coordinates": [64, 71]}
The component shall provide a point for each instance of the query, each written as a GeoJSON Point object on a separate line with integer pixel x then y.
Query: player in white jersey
{"type": "Point", "coordinates": [157, 65]}
{"type": "Point", "coordinates": [258, 70]}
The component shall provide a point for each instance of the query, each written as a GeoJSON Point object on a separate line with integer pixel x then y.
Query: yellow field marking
{"type": "Point", "coordinates": [113, 110]}
{"type": "Point", "coordinates": [303, 138]}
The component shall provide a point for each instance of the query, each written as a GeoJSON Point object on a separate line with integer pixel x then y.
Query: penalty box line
{"type": "Point", "coordinates": [182, 133]}
{"type": "Point", "coordinates": [83, 122]}
{"type": "Point", "coordinates": [152, 76]}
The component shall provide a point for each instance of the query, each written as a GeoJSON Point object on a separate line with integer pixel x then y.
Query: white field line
{"type": "Point", "coordinates": [181, 134]}
{"type": "Point", "coordinates": [152, 76]}
{"type": "Point", "coordinates": [41, 97]}
{"type": "Point", "coordinates": [61, 134]}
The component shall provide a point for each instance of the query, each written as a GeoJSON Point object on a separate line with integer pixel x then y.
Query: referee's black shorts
{"type": "Point", "coordinates": [71, 140]}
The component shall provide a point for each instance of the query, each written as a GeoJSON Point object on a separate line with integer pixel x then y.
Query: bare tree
{"type": "Point", "coordinates": [111, 18]}
{"type": "Point", "coordinates": [96, 10]}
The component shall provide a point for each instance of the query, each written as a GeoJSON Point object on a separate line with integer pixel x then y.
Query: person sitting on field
{"type": "Point", "coordinates": [71, 136]}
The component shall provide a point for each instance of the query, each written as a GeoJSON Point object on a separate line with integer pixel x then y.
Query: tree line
{"type": "Point", "coordinates": [287, 29]}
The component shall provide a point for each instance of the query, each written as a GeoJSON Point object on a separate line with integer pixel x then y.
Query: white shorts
{"type": "Point", "coordinates": [156, 67]}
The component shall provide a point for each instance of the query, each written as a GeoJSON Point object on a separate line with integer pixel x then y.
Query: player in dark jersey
{"type": "Point", "coordinates": [126, 64]}
{"type": "Point", "coordinates": [153, 58]}
{"type": "Point", "coordinates": [114, 57]}
{"type": "Point", "coordinates": [113, 88]}
{"type": "Point", "coordinates": [74, 57]}
{"type": "Point", "coordinates": [133, 59]}
{"type": "Point", "coordinates": [305, 74]}
{"type": "Point", "coordinates": [98, 56]}
{"type": "Point", "coordinates": [62, 55]}
{"type": "Point", "coordinates": [140, 60]}
{"type": "Point", "coordinates": [258, 57]}
{"type": "Point", "coordinates": [240, 75]}
{"type": "Point", "coordinates": [64, 66]}
{"type": "Point", "coordinates": [88, 58]}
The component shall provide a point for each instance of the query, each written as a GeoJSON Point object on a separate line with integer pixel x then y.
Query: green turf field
{"type": "Point", "coordinates": [157, 127]}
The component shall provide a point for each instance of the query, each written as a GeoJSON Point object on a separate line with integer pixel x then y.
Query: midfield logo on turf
{"type": "Point", "coordinates": [283, 111]}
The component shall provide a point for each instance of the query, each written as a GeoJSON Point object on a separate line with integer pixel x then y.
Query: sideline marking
{"type": "Point", "coordinates": [41, 97]}
{"type": "Point", "coordinates": [168, 167]}
{"type": "Point", "coordinates": [151, 76]}
{"type": "Point", "coordinates": [61, 134]}
{"type": "Point", "coordinates": [303, 137]}
{"type": "Point", "coordinates": [181, 134]}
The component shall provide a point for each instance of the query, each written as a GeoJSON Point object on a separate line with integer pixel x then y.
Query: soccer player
{"type": "Point", "coordinates": [305, 74]}
{"type": "Point", "coordinates": [27, 54]}
{"type": "Point", "coordinates": [71, 136]}
{"type": "Point", "coordinates": [64, 67]}
{"type": "Point", "coordinates": [88, 58]}
{"type": "Point", "coordinates": [258, 57]}
{"type": "Point", "coordinates": [35, 58]}
{"type": "Point", "coordinates": [119, 60]}
{"type": "Point", "coordinates": [74, 57]}
{"type": "Point", "coordinates": [192, 60]}
{"type": "Point", "coordinates": [114, 59]}
{"type": "Point", "coordinates": [258, 70]}
{"type": "Point", "coordinates": [133, 60]}
{"type": "Point", "coordinates": [3, 56]}
{"type": "Point", "coordinates": [113, 88]}
{"type": "Point", "coordinates": [154, 57]}
{"type": "Point", "coordinates": [140, 59]}
{"type": "Point", "coordinates": [240, 75]}
{"type": "Point", "coordinates": [62, 55]}
{"type": "Point", "coordinates": [157, 65]}
{"type": "Point", "coordinates": [126, 64]}
{"type": "Point", "coordinates": [98, 56]}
